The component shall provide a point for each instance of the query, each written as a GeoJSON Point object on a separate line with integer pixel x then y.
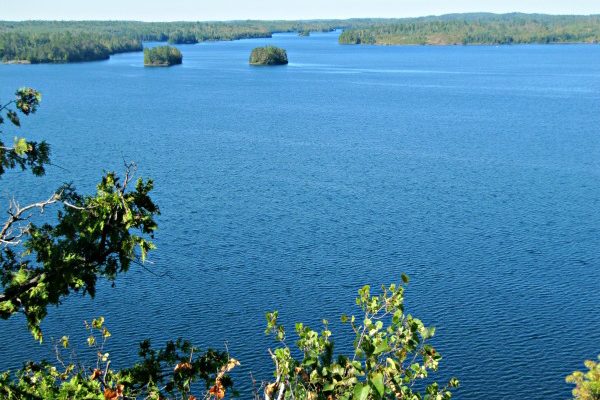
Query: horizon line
{"type": "Point", "coordinates": [302, 19]}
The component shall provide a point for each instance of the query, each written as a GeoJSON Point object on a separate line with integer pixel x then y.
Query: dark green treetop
{"type": "Point", "coordinates": [269, 55]}
{"type": "Point", "coordinates": [162, 56]}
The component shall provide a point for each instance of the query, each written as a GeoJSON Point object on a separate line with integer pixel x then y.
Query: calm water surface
{"type": "Point", "coordinates": [475, 170]}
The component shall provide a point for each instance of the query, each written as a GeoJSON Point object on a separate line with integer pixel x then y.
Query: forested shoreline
{"type": "Point", "coordinates": [75, 41]}
{"type": "Point", "coordinates": [482, 29]}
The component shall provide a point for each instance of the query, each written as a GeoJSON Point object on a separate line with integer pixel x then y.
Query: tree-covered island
{"type": "Point", "coordinates": [162, 56]}
{"type": "Point", "coordinates": [268, 55]}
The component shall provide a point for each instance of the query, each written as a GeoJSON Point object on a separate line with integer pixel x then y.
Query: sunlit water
{"type": "Point", "coordinates": [475, 170]}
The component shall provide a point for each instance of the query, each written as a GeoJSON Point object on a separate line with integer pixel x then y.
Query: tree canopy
{"type": "Point", "coordinates": [268, 55]}
{"type": "Point", "coordinates": [72, 41]}
{"type": "Point", "coordinates": [162, 56]}
{"type": "Point", "coordinates": [97, 236]}
{"type": "Point", "coordinates": [478, 29]}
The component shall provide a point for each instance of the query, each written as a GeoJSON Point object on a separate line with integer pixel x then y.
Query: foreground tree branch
{"type": "Point", "coordinates": [94, 237]}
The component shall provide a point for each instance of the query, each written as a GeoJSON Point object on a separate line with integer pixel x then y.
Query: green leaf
{"type": "Point", "coordinates": [21, 146]}
{"type": "Point", "coordinates": [98, 323]}
{"type": "Point", "coordinates": [377, 381]}
{"type": "Point", "coordinates": [382, 347]}
{"type": "Point", "coordinates": [361, 392]}
{"type": "Point", "coordinates": [405, 278]}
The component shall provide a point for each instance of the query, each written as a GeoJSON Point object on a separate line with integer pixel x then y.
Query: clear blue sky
{"type": "Point", "coordinates": [201, 10]}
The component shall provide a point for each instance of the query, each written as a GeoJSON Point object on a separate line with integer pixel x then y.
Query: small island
{"type": "Point", "coordinates": [304, 33]}
{"type": "Point", "coordinates": [162, 56]}
{"type": "Point", "coordinates": [269, 55]}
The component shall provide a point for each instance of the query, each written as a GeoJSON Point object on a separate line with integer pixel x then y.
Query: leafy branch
{"type": "Point", "coordinates": [391, 354]}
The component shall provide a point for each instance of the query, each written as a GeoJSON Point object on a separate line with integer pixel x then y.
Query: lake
{"type": "Point", "coordinates": [474, 170]}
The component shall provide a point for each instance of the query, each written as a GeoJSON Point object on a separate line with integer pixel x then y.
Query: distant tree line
{"type": "Point", "coordinates": [63, 47]}
{"type": "Point", "coordinates": [72, 41]}
{"type": "Point", "coordinates": [479, 29]}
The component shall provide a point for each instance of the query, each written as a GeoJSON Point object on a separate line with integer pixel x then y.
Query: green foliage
{"type": "Point", "coordinates": [63, 47]}
{"type": "Point", "coordinates": [478, 29]}
{"type": "Point", "coordinates": [162, 56]}
{"type": "Point", "coordinates": [72, 41]}
{"type": "Point", "coordinates": [269, 55]}
{"type": "Point", "coordinates": [173, 372]}
{"type": "Point", "coordinates": [93, 237]}
{"type": "Point", "coordinates": [22, 154]}
{"type": "Point", "coordinates": [102, 235]}
{"type": "Point", "coordinates": [391, 359]}
{"type": "Point", "coordinates": [391, 355]}
{"type": "Point", "coordinates": [356, 36]}
{"type": "Point", "coordinates": [587, 384]}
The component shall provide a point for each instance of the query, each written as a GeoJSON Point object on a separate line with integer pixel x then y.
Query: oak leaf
{"type": "Point", "coordinates": [218, 391]}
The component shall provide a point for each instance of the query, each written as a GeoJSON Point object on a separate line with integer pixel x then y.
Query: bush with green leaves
{"type": "Point", "coordinates": [587, 384]}
{"type": "Point", "coordinates": [174, 372]}
{"type": "Point", "coordinates": [101, 236]}
{"type": "Point", "coordinates": [391, 355]}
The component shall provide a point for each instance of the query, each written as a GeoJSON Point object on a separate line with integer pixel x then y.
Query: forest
{"type": "Point", "coordinates": [63, 47]}
{"type": "Point", "coordinates": [74, 41]}
{"type": "Point", "coordinates": [478, 29]}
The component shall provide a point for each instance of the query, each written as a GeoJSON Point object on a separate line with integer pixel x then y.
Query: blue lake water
{"type": "Point", "coordinates": [475, 170]}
